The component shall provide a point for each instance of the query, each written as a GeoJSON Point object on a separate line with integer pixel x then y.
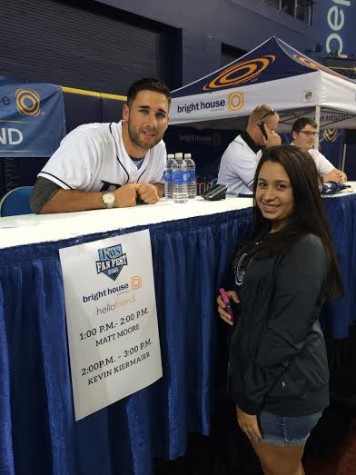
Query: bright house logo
{"type": "Point", "coordinates": [28, 102]}
{"type": "Point", "coordinates": [111, 261]}
{"type": "Point", "coordinates": [236, 101]}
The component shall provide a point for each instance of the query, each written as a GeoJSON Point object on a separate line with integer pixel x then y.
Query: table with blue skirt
{"type": "Point", "coordinates": [191, 249]}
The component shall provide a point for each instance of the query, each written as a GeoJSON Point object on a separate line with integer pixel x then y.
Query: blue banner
{"type": "Point", "coordinates": [334, 19]}
{"type": "Point", "coordinates": [331, 142]}
{"type": "Point", "coordinates": [32, 120]}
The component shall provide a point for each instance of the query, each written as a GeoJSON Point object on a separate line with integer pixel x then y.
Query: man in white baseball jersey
{"type": "Point", "coordinates": [239, 161]}
{"type": "Point", "coordinates": [104, 165]}
{"type": "Point", "coordinates": [304, 131]}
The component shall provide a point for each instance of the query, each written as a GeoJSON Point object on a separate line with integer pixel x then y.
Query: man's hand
{"type": "Point", "coordinates": [335, 175]}
{"type": "Point", "coordinates": [125, 196]}
{"type": "Point", "coordinates": [148, 193]}
{"type": "Point", "coordinates": [343, 176]}
{"type": "Point", "coordinates": [249, 425]}
{"type": "Point", "coordinates": [221, 306]}
{"type": "Point", "coordinates": [272, 137]}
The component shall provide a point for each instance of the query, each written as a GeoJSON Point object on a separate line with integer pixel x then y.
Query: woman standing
{"type": "Point", "coordinates": [278, 371]}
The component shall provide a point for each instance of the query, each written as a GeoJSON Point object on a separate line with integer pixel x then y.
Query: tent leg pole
{"type": "Point", "coordinates": [342, 167]}
{"type": "Point", "coordinates": [317, 120]}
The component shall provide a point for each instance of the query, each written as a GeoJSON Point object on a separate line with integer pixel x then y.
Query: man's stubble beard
{"type": "Point", "coordinates": [134, 137]}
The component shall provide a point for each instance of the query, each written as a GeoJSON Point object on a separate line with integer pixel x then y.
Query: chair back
{"type": "Point", "coordinates": [16, 201]}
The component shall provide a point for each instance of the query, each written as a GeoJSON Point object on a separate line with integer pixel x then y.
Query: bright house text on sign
{"type": "Point", "coordinates": [111, 320]}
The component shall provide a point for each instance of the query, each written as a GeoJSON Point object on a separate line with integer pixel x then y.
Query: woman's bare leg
{"type": "Point", "coordinates": [277, 460]}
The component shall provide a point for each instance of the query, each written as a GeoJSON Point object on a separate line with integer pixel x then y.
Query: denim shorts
{"type": "Point", "coordinates": [284, 430]}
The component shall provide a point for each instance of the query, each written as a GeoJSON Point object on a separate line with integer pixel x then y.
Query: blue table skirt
{"type": "Point", "coordinates": [340, 314]}
{"type": "Point", "coordinates": [38, 434]}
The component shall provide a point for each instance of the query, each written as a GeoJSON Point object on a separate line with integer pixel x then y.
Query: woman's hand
{"type": "Point", "coordinates": [249, 425]}
{"type": "Point", "coordinates": [221, 306]}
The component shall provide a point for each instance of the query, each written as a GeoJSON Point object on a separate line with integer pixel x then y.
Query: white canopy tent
{"type": "Point", "coordinates": [273, 73]}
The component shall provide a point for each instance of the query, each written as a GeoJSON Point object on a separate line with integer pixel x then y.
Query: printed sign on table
{"type": "Point", "coordinates": [111, 319]}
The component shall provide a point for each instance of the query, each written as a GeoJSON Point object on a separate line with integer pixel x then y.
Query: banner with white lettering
{"type": "Point", "coordinates": [111, 319]}
{"type": "Point", "coordinates": [32, 120]}
{"type": "Point", "coordinates": [334, 21]}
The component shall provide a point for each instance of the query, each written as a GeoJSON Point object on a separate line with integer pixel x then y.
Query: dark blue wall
{"type": "Point", "coordinates": [207, 24]}
{"type": "Point", "coordinates": [239, 23]}
{"type": "Point", "coordinates": [103, 45]}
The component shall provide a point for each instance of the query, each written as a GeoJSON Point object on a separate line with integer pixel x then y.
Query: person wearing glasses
{"type": "Point", "coordinates": [304, 131]}
{"type": "Point", "coordinates": [240, 159]}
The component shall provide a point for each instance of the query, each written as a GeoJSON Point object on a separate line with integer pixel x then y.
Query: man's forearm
{"type": "Point", "coordinates": [64, 201]}
{"type": "Point", "coordinates": [335, 175]}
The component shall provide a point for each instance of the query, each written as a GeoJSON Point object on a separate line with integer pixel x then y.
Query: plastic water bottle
{"type": "Point", "coordinates": [192, 186]}
{"type": "Point", "coordinates": [180, 186]}
{"type": "Point", "coordinates": [168, 176]}
{"type": "Point", "coordinates": [178, 157]}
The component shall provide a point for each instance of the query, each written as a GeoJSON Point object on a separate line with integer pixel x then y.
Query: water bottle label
{"type": "Point", "coordinates": [191, 175]}
{"type": "Point", "coordinates": [179, 177]}
{"type": "Point", "coordinates": [168, 176]}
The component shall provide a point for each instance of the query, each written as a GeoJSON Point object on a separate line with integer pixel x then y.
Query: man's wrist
{"type": "Point", "coordinates": [160, 189]}
{"type": "Point", "coordinates": [108, 200]}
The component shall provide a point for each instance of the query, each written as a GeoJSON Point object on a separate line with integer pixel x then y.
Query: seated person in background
{"type": "Point", "coordinates": [106, 165]}
{"type": "Point", "coordinates": [304, 131]}
{"type": "Point", "coordinates": [239, 161]}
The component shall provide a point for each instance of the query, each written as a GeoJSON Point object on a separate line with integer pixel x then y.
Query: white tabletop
{"type": "Point", "coordinates": [31, 228]}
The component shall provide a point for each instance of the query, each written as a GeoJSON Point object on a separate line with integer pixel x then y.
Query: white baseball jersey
{"type": "Point", "coordinates": [92, 157]}
{"type": "Point", "coordinates": [238, 166]}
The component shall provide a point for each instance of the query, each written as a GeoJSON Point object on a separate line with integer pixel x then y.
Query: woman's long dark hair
{"type": "Point", "coordinates": [308, 215]}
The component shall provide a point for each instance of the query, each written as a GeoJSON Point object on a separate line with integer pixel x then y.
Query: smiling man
{"type": "Point", "coordinates": [110, 165]}
{"type": "Point", "coordinates": [304, 131]}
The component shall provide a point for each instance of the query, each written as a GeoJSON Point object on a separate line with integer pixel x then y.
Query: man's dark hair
{"type": "Point", "coordinates": [299, 124]}
{"type": "Point", "coordinates": [147, 84]}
